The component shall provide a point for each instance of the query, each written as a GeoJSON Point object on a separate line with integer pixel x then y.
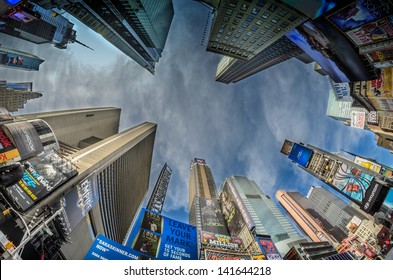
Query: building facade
{"type": "Point", "coordinates": [14, 59]}
{"type": "Point", "coordinates": [137, 28]}
{"type": "Point", "coordinates": [14, 96]}
{"type": "Point", "coordinates": [257, 214]}
{"type": "Point", "coordinates": [231, 70]}
{"type": "Point", "coordinates": [311, 251]}
{"type": "Point", "coordinates": [241, 29]}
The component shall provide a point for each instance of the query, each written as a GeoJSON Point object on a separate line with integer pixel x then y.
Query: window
{"type": "Point", "coordinates": [259, 22]}
{"type": "Point", "coordinates": [245, 38]}
{"type": "Point", "coordinates": [272, 8]}
{"type": "Point", "coordinates": [226, 19]}
{"type": "Point", "coordinates": [249, 18]}
{"type": "Point", "coordinates": [244, 7]}
{"type": "Point", "coordinates": [268, 26]}
{"type": "Point", "coordinates": [245, 24]}
{"type": "Point", "coordinates": [229, 12]}
{"type": "Point", "coordinates": [283, 12]}
{"type": "Point", "coordinates": [292, 18]}
{"type": "Point", "coordinates": [229, 33]}
{"type": "Point", "coordinates": [255, 11]}
{"type": "Point", "coordinates": [261, 3]}
{"type": "Point", "coordinates": [257, 36]}
{"type": "Point", "coordinates": [241, 30]}
{"type": "Point", "coordinates": [254, 28]}
{"type": "Point", "coordinates": [284, 24]}
{"type": "Point", "coordinates": [235, 22]}
{"type": "Point", "coordinates": [277, 30]}
{"type": "Point", "coordinates": [233, 3]}
{"type": "Point", "coordinates": [249, 33]}
{"type": "Point", "coordinates": [226, 37]}
{"type": "Point", "coordinates": [237, 35]}
{"type": "Point", "coordinates": [239, 15]}
{"type": "Point", "coordinates": [265, 15]}
{"type": "Point", "coordinates": [275, 20]}
{"type": "Point", "coordinates": [252, 41]}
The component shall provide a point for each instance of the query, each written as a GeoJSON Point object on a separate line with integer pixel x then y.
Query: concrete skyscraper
{"type": "Point", "coordinates": [264, 216]}
{"type": "Point", "coordinates": [13, 96]}
{"type": "Point", "coordinates": [113, 175]}
{"type": "Point", "coordinates": [242, 28]}
{"type": "Point", "coordinates": [363, 186]}
{"type": "Point", "coordinates": [137, 28]}
{"type": "Point", "coordinates": [231, 70]}
{"type": "Point", "coordinates": [14, 59]}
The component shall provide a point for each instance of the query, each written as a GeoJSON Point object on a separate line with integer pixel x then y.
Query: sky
{"type": "Point", "coordinates": [237, 128]}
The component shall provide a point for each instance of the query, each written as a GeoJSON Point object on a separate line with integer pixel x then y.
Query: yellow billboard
{"type": "Point", "coordinates": [383, 86]}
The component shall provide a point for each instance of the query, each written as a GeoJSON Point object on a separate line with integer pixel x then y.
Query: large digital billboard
{"type": "Point", "coordinates": [300, 154]}
{"type": "Point", "coordinates": [312, 8]}
{"type": "Point", "coordinates": [268, 248]}
{"type": "Point", "coordinates": [331, 49]}
{"type": "Point", "coordinates": [352, 182]}
{"type": "Point", "coordinates": [212, 219]}
{"type": "Point", "coordinates": [104, 248]}
{"type": "Point", "coordinates": [221, 241]}
{"type": "Point", "coordinates": [360, 12]}
{"type": "Point", "coordinates": [220, 256]}
{"type": "Point", "coordinates": [383, 86]}
{"type": "Point", "coordinates": [368, 164]}
{"type": "Point", "coordinates": [167, 239]}
{"type": "Point", "coordinates": [46, 173]}
{"type": "Point", "coordinates": [375, 196]}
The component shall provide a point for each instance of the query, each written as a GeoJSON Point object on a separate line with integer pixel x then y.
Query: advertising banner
{"type": "Point", "coordinates": [374, 196]}
{"type": "Point", "coordinates": [25, 138]}
{"type": "Point", "coordinates": [372, 118]}
{"type": "Point", "coordinates": [354, 224]}
{"type": "Point", "coordinates": [46, 173]}
{"type": "Point", "coordinates": [80, 200]}
{"type": "Point", "coordinates": [286, 147]}
{"type": "Point", "coordinates": [220, 256]}
{"type": "Point", "coordinates": [358, 119]}
{"type": "Point", "coordinates": [300, 154]}
{"type": "Point", "coordinates": [231, 212]}
{"type": "Point", "coordinates": [7, 149]}
{"type": "Point", "coordinates": [268, 248]}
{"type": "Point", "coordinates": [312, 8]}
{"type": "Point", "coordinates": [338, 108]}
{"type": "Point", "coordinates": [221, 241]}
{"type": "Point", "coordinates": [386, 172]}
{"type": "Point", "coordinates": [360, 12]}
{"type": "Point", "coordinates": [105, 249]}
{"type": "Point", "coordinates": [5, 115]}
{"type": "Point", "coordinates": [383, 86]}
{"type": "Point", "coordinates": [368, 164]}
{"type": "Point", "coordinates": [352, 182]}
{"type": "Point", "coordinates": [372, 32]}
{"type": "Point", "coordinates": [167, 239]}
{"type": "Point", "coordinates": [331, 49]}
{"type": "Point", "coordinates": [342, 91]}
{"type": "Point", "coordinates": [380, 56]}
{"type": "Point", "coordinates": [212, 219]}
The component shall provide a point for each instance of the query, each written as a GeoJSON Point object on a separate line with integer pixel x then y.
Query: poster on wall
{"type": "Point", "coordinates": [8, 150]}
{"type": "Point", "coordinates": [352, 182]}
{"type": "Point", "coordinates": [342, 91]}
{"type": "Point", "coordinates": [268, 248]}
{"type": "Point", "coordinates": [381, 57]}
{"type": "Point", "coordinates": [383, 86]}
{"type": "Point", "coordinates": [360, 12]}
{"type": "Point", "coordinates": [158, 237]}
{"type": "Point", "coordinates": [358, 119]}
{"type": "Point", "coordinates": [300, 154]}
{"type": "Point", "coordinates": [372, 32]}
{"type": "Point", "coordinates": [221, 241]}
{"type": "Point", "coordinates": [212, 218]}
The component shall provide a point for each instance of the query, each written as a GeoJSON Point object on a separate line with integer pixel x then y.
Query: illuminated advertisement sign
{"type": "Point", "coordinates": [360, 12]}
{"type": "Point", "coordinates": [354, 224]}
{"type": "Point", "coordinates": [368, 164]}
{"type": "Point", "coordinates": [312, 8]}
{"type": "Point", "coordinates": [212, 219]}
{"type": "Point", "coordinates": [286, 147]}
{"type": "Point", "coordinates": [158, 237]}
{"type": "Point", "coordinates": [375, 196]}
{"type": "Point", "coordinates": [386, 172]}
{"type": "Point", "coordinates": [80, 200]}
{"type": "Point", "coordinates": [331, 49]}
{"type": "Point", "coordinates": [300, 154]}
{"type": "Point", "coordinates": [268, 248]}
{"type": "Point", "coordinates": [380, 56]}
{"type": "Point", "coordinates": [106, 249]}
{"type": "Point", "coordinates": [221, 241]}
{"type": "Point", "coordinates": [46, 173]}
{"type": "Point", "coordinates": [341, 91]}
{"type": "Point", "coordinates": [383, 86]}
{"type": "Point", "coordinates": [25, 138]}
{"type": "Point", "coordinates": [220, 256]}
{"type": "Point", "coordinates": [352, 182]}
{"type": "Point", "coordinates": [372, 118]}
{"type": "Point", "coordinates": [372, 32]}
{"type": "Point", "coordinates": [7, 149]}
{"type": "Point", "coordinates": [358, 119]}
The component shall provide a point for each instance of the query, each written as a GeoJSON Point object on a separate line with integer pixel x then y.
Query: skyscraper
{"type": "Point", "coordinates": [231, 70]}
{"type": "Point", "coordinates": [361, 185]}
{"type": "Point", "coordinates": [30, 22]}
{"type": "Point", "coordinates": [113, 175]}
{"type": "Point", "coordinates": [264, 217]}
{"type": "Point", "coordinates": [14, 96]}
{"type": "Point", "coordinates": [14, 59]}
{"type": "Point", "coordinates": [137, 28]}
{"type": "Point", "coordinates": [242, 28]}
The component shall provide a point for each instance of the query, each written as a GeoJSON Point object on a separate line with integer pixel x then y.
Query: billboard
{"type": "Point", "coordinates": [338, 108]}
{"type": "Point", "coordinates": [166, 240]}
{"type": "Point", "coordinates": [375, 196]}
{"type": "Point", "coordinates": [353, 225]}
{"type": "Point", "coordinates": [80, 200]}
{"type": "Point", "coordinates": [360, 12]}
{"type": "Point", "coordinates": [372, 32]}
{"type": "Point", "coordinates": [221, 241]}
{"type": "Point", "coordinates": [46, 173]}
{"type": "Point", "coordinates": [368, 164]}
{"type": "Point", "coordinates": [358, 119]}
{"type": "Point", "coordinates": [312, 8]}
{"type": "Point", "coordinates": [341, 91]}
{"type": "Point", "coordinates": [5, 115]}
{"type": "Point", "coordinates": [286, 147]}
{"type": "Point", "coordinates": [386, 172]}
{"type": "Point", "coordinates": [220, 256]}
{"type": "Point", "coordinates": [7, 149]}
{"type": "Point", "coordinates": [372, 118]}
{"type": "Point", "coordinates": [212, 219]}
{"type": "Point", "coordinates": [300, 154]}
{"type": "Point", "coordinates": [352, 182]}
{"type": "Point", "coordinates": [268, 248]}
{"type": "Point", "coordinates": [328, 47]}
{"type": "Point", "coordinates": [104, 248]}
{"type": "Point", "coordinates": [25, 138]}
{"type": "Point", "coordinates": [383, 86]}
{"type": "Point", "coordinates": [382, 58]}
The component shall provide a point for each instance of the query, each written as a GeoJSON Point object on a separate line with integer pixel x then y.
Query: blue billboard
{"type": "Point", "coordinates": [158, 237]}
{"type": "Point", "coordinates": [300, 154]}
{"type": "Point", "coordinates": [105, 249]}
